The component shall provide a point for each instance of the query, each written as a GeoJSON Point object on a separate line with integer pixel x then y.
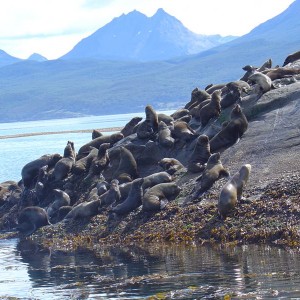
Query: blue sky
{"type": "Point", "coordinates": [52, 28]}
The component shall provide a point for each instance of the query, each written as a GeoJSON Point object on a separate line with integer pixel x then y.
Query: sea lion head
{"type": "Point", "coordinates": [202, 139]}
{"type": "Point", "coordinates": [214, 159]}
{"type": "Point", "coordinates": [236, 111]}
{"type": "Point", "coordinates": [245, 171]}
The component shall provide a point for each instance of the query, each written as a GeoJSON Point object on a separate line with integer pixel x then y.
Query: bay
{"type": "Point", "coordinates": [18, 151]}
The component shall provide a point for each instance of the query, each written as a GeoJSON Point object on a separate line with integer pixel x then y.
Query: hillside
{"type": "Point", "coordinates": [70, 88]}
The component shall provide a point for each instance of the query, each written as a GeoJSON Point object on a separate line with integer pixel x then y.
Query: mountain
{"type": "Point", "coordinates": [31, 90]}
{"type": "Point", "coordinates": [136, 37]}
{"type": "Point", "coordinates": [37, 57]}
{"type": "Point", "coordinates": [6, 59]}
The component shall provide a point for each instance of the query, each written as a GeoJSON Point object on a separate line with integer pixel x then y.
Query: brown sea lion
{"type": "Point", "coordinates": [96, 133]}
{"type": "Point", "coordinates": [197, 97]}
{"type": "Point", "coordinates": [232, 97]}
{"type": "Point", "coordinates": [164, 135]}
{"type": "Point", "coordinates": [112, 196]}
{"type": "Point", "coordinates": [249, 71]}
{"type": "Point", "coordinates": [213, 171]}
{"type": "Point", "coordinates": [145, 130]}
{"type": "Point", "coordinates": [152, 116]}
{"type": "Point", "coordinates": [61, 198]}
{"type": "Point", "coordinates": [195, 111]}
{"type": "Point", "coordinates": [83, 210]}
{"type": "Point", "coordinates": [30, 171]}
{"type": "Point", "coordinates": [165, 118]}
{"type": "Point", "coordinates": [133, 200]}
{"type": "Point", "coordinates": [215, 87]}
{"type": "Point", "coordinates": [200, 155]}
{"type": "Point", "coordinates": [170, 165]}
{"type": "Point", "coordinates": [156, 178]}
{"type": "Point", "coordinates": [64, 166]}
{"type": "Point", "coordinates": [280, 72]}
{"type": "Point", "coordinates": [32, 218]}
{"type": "Point", "coordinates": [291, 58]}
{"type": "Point", "coordinates": [128, 129]}
{"type": "Point", "coordinates": [183, 132]}
{"type": "Point", "coordinates": [127, 164]}
{"type": "Point", "coordinates": [100, 162]}
{"type": "Point", "coordinates": [157, 196]}
{"type": "Point", "coordinates": [112, 139]}
{"type": "Point", "coordinates": [231, 193]}
{"type": "Point", "coordinates": [212, 109]}
{"type": "Point", "coordinates": [265, 66]}
{"type": "Point", "coordinates": [180, 113]}
{"type": "Point", "coordinates": [82, 165]}
{"type": "Point", "coordinates": [231, 133]}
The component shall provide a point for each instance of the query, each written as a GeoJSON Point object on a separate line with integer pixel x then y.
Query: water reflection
{"type": "Point", "coordinates": [171, 272]}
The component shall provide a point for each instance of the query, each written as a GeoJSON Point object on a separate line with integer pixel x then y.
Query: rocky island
{"type": "Point", "coordinates": [224, 169]}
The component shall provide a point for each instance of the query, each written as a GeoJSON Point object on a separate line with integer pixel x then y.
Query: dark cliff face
{"type": "Point", "coordinates": [136, 37]}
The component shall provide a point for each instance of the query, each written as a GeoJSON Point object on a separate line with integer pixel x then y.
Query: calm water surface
{"type": "Point", "coordinates": [16, 152]}
{"type": "Point", "coordinates": [170, 272]}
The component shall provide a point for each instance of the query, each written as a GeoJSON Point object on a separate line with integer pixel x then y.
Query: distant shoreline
{"type": "Point", "coordinates": [12, 136]}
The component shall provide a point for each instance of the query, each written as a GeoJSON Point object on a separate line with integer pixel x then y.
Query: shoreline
{"type": "Point", "coordinates": [12, 136]}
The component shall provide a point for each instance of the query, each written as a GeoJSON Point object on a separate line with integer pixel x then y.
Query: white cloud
{"type": "Point", "coordinates": [52, 28]}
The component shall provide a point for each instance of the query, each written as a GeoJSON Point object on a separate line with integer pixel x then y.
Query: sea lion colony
{"type": "Point", "coordinates": [141, 165]}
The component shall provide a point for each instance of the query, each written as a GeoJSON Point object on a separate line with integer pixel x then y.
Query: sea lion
{"type": "Point", "coordinates": [231, 193]}
{"type": "Point", "coordinates": [264, 82]}
{"type": "Point", "coordinates": [129, 127]}
{"type": "Point", "coordinates": [156, 178]}
{"type": "Point", "coordinates": [232, 97]}
{"type": "Point", "coordinates": [32, 218]}
{"type": "Point", "coordinates": [197, 96]}
{"type": "Point", "coordinates": [82, 165]}
{"type": "Point", "coordinates": [195, 110]}
{"type": "Point", "coordinates": [249, 71]}
{"type": "Point", "coordinates": [265, 66]}
{"type": "Point", "coordinates": [102, 187]}
{"type": "Point", "coordinates": [96, 133]}
{"type": "Point", "coordinates": [100, 162]}
{"type": "Point", "coordinates": [30, 170]}
{"type": "Point", "coordinates": [157, 196]}
{"type": "Point", "coordinates": [112, 196]}
{"type": "Point", "coordinates": [61, 198]}
{"type": "Point", "coordinates": [180, 113]}
{"type": "Point", "coordinates": [281, 72]}
{"type": "Point", "coordinates": [291, 58]}
{"type": "Point", "coordinates": [83, 210]}
{"type": "Point", "coordinates": [62, 212]}
{"type": "Point", "coordinates": [127, 164]}
{"type": "Point", "coordinates": [152, 117]}
{"type": "Point", "coordinates": [164, 135]}
{"type": "Point", "coordinates": [183, 132]}
{"type": "Point", "coordinates": [213, 171]}
{"type": "Point", "coordinates": [112, 139]}
{"type": "Point", "coordinates": [212, 109]}
{"type": "Point", "coordinates": [133, 200]}
{"type": "Point", "coordinates": [200, 155]}
{"type": "Point", "coordinates": [165, 118]}
{"type": "Point", "coordinates": [215, 87]}
{"type": "Point", "coordinates": [64, 166]}
{"type": "Point", "coordinates": [170, 165]}
{"type": "Point", "coordinates": [231, 133]}
{"type": "Point", "coordinates": [145, 130]}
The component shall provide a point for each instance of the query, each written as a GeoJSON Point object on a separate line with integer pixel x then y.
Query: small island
{"type": "Point", "coordinates": [174, 178]}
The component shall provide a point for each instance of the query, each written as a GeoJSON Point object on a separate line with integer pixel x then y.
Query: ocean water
{"type": "Point", "coordinates": [18, 151]}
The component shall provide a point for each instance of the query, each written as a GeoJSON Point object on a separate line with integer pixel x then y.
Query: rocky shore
{"type": "Point", "coordinates": [268, 212]}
